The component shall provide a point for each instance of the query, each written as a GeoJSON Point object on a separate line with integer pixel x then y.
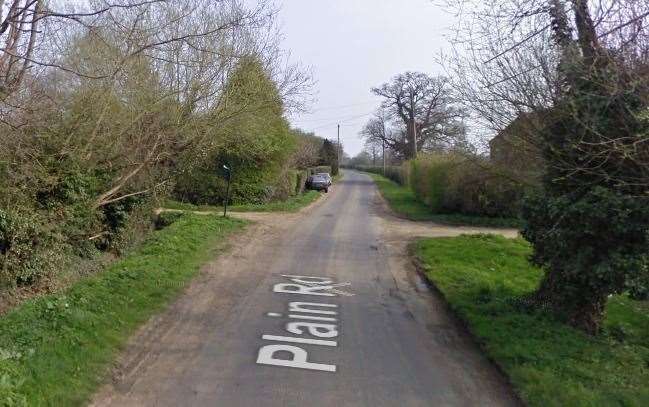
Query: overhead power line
{"type": "Point", "coordinates": [341, 106]}
{"type": "Point", "coordinates": [344, 120]}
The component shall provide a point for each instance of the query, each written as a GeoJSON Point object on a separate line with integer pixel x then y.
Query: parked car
{"type": "Point", "coordinates": [318, 182]}
{"type": "Point", "coordinates": [326, 175]}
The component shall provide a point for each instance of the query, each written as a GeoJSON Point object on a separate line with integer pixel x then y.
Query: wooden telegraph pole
{"type": "Point", "coordinates": [338, 148]}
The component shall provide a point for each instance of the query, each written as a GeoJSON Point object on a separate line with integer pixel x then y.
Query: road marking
{"type": "Point", "coordinates": [294, 356]}
{"type": "Point", "coordinates": [306, 285]}
{"type": "Point", "coordinates": [298, 360]}
{"type": "Point", "coordinates": [333, 290]}
{"type": "Point", "coordinates": [316, 329]}
{"type": "Point", "coordinates": [299, 306]}
{"type": "Point", "coordinates": [312, 318]}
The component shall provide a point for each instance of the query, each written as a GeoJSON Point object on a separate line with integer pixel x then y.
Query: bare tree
{"type": "Point", "coordinates": [378, 131]}
{"type": "Point", "coordinates": [505, 55]}
{"type": "Point", "coordinates": [423, 104]}
{"type": "Point", "coordinates": [307, 150]}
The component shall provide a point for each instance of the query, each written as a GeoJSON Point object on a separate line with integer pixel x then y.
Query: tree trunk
{"type": "Point", "coordinates": [584, 312]}
{"type": "Point", "coordinates": [412, 140]}
{"type": "Point", "coordinates": [560, 25]}
{"type": "Point", "coordinates": [557, 291]}
{"type": "Point", "coordinates": [585, 30]}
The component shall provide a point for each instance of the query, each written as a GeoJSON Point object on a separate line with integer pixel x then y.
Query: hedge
{"type": "Point", "coordinates": [454, 183]}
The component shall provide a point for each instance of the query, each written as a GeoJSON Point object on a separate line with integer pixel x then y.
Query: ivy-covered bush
{"type": "Point", "coordinates": [598, 239]}
{"type": "Point", "coordinates": [31, 247]}
{"type": "Point", "coordinates": [590, 225]}
{"type": "Point", "coordinates": [50, 220]}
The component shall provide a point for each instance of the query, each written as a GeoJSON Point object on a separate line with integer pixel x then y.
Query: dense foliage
{"type": "Point", "coordinates": [329, 156]}
{"type": "Point", "coordinates": [86, 177]}
{"type": "Point", "coordinates": [590, 226]}
{"type": "Point", "coordinates": [106, 109]}
{"type": "Point", "coordinates": [254, 142]}
{"type": "Point", "coordinates": [461, 184]}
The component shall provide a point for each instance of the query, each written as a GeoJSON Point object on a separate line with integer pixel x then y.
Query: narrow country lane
{"type": "Point", "coordinates": [381, 338]}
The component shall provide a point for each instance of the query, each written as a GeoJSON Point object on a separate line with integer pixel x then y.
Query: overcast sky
{"type": "Point", "coordinates": [353, 45]}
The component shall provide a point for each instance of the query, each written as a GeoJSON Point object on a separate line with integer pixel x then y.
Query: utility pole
{"type": "Point", "coordinates": [413, 128]}
{"type": "Point", "coordinates": [383, 158]}
{"type": "Point", "coordinates": [414, 138]}
{"type": "Point", "coordinates": [383, 139]}
{"type": "Point", "coordinates": [228, 177]}
{"type": "Point", "coordinates": [338, 147]}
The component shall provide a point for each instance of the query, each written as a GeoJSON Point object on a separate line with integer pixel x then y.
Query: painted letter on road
{"type": "Point", "coordinates": [297, 359]}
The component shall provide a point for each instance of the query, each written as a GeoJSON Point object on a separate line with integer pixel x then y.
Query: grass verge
{"type": "Point", "coordinates": [483, 277]}
{"type": "Point", "coordinates": [404, 202]}
{"type": "Point", "coordinates": [292, 204]}
{"type": "Point", "coordinates": [55, 350]}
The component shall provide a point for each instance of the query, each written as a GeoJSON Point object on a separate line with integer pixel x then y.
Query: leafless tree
{"type": "Point", "coordinates": [307, 150]}
{"type": "Point", "coordinates": [505, 53]}
{"type": "Point", "coordinates": [423, 104]}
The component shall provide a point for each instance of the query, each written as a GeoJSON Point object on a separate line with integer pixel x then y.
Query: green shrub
{"type": "Point", "coordinates": [300, 181]}
{"type": "Point", "coordinates": [475, 187]}
{"type": "Point", "coordinates": [397, 173]}
{"type": "Point", "coordinates": [30, 247]}
{"type": "Point", "coordinates": [467, 185]}
{"type": "Point", "coordinates": [165, 219]}
{"type": "Point", "coordinates": [598, 240]}
{"type": "Point", "coordinates": [50, 220]}
{"type": "Point", "coordinates": [449, 183]}
{"type": "Point", "coordinates": [429, 181]}
{"type": "Point", "coordinates": [284, 187]}
{"type": "Point", "coordinates": [254, 141]}
{"type": "Point", "coordinates": [130, 221]}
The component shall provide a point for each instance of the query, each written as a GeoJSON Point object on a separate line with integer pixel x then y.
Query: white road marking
{"type": "Point", "coordinates": [312, 318]}
{"type": "Point", "coordinates": [298, 360]}
{"type": "Point", "coordinates": [300, 310]}
{"type": "Point", "coordinates": [299, 306]}
{"type": "Point", "coordinates": [345, 293]}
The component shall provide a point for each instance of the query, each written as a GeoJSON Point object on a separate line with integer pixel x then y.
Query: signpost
{"type": "Point", "coordinates": [228, 176]}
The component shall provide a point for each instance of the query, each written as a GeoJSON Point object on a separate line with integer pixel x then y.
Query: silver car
{"type": "Point", "coordinates": [325, 175]}
{"type": "Point", "coordinates": [318, 183]}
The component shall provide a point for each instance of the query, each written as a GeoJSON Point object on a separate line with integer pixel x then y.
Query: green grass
{"type": "Point", "coordinates": [403, 201]}
{"type": "Point", "coordinates": [292, 204]}
{"type": "Point", "coordinates": [56, 349]}
{"type": "Point", "coordinates": [483, 277]}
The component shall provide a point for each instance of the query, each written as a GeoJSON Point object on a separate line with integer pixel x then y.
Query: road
{"type": "Point", "coordinates": [379, 337]}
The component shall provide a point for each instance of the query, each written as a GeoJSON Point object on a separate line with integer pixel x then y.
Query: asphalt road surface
{"type": "Point", "coordinates": [365, 332]}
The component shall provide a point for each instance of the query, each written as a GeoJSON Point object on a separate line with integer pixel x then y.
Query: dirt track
{"type": "Point", "coordinates": [394, 343]}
